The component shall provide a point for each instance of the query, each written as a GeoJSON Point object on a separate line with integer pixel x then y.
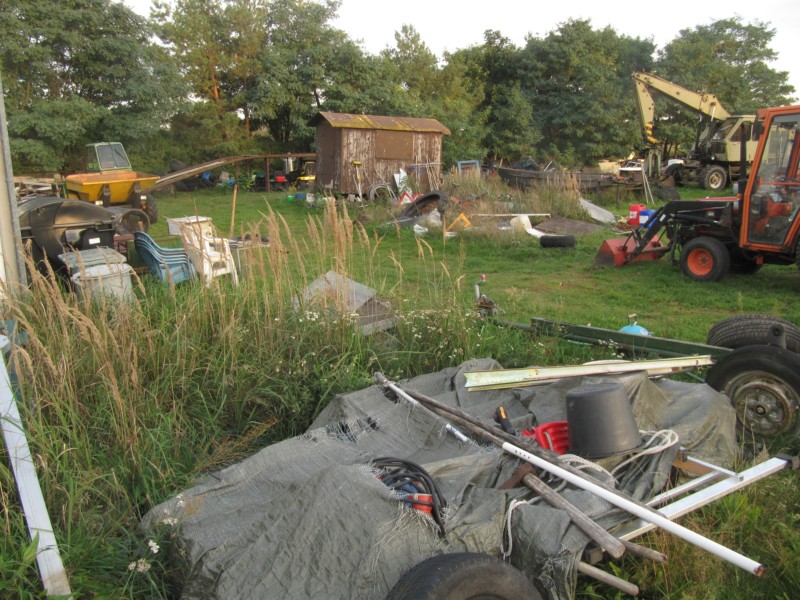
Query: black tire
{"type": "Point", "coordinates": [743, 264]}
{"type": "Point", "coordinates": [763, 384]}
{"type": "Point", "coordinates": [418, 206]}
{"type": "Point", "coordinates": [557, 241]}
{"type": "Point", "coordinates": [751, 330]}
{"type": "Point", "coordinates": [151, 209]}
{"type": "Point", "coordinates": [705, 259]}
{"type": "Point", "coordinates": [463, 576]}
{"type": "Point", "coordinates": [713, 178]}
{"type": "Point", "coordinates": [667, 193]}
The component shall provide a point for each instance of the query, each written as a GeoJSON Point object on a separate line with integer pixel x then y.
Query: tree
{"type": "Point", "coordinates": [492, 74]}
{"type": "Point", "coordinates": [730, 59]}
{"type": "Point", "coordinates": [578, 81]}
{"type": "Point", "coordinates": [85, 72]}
{"type": "Point", "coordinates": [727, 58]}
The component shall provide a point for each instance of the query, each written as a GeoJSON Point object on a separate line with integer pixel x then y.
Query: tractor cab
{"type": "Point", "coordinates": [772, 200]}
{"type": "Point", "coordinates": [106, 156]}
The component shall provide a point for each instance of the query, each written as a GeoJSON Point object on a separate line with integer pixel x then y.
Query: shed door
{"type": "Point", "coordinates": [394, 145]}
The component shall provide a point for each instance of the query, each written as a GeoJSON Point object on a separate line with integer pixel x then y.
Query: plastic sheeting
{"type": "Point", "coordinates": [308, 518]}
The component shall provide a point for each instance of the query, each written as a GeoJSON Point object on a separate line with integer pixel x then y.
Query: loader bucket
{"type": "Point", "coordinates": [617, 252]}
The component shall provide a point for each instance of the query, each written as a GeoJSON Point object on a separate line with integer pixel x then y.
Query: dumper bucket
{"type": "Point", "coordinates": [622, 251]}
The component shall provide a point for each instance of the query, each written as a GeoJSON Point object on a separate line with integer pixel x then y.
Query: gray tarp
{"type": "Point", "coordinates": [307, 518]}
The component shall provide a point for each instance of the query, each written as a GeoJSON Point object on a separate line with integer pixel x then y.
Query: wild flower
{"type": "Point", "coordinates": [140, 566]}
{"type": "Point", "coordinates": [154, 548]}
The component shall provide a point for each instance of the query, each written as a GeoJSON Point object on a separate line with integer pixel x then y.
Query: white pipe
{"type": "Point", "coordinates": [460, 436]}
{"type": "Point", "coordinates": [51, 568]}
{"type": "Point", "coordinates": [645, 514]}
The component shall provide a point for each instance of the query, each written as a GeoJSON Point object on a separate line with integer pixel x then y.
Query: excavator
{"type": "Point", "coordinates": [711, 237]}
{"type": "Point", "coordinates": [715, 160]}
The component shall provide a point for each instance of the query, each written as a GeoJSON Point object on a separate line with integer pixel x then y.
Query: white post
{"type": "Point", "coordinates": [51, 568]}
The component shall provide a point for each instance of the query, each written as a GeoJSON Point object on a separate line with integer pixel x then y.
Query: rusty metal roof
{"type": "Point", "coordinates": [348, 121]}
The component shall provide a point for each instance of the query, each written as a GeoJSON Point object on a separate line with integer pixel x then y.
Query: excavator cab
{"type": "Point", "coordinates": [772, 200]}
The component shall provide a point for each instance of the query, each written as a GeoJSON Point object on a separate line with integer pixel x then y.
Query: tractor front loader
{"type": "Point", "coordinates": [713, 236]}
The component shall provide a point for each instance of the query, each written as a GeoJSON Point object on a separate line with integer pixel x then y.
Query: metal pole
{"type": "Point", "coordinates": [580, 480]}
{"type": "Point", "coordinates": [645, 514]}
{"type": "Point", "coordinates": [381, 379]}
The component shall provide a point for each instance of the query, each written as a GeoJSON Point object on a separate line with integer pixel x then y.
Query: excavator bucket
{"type": "Point", "coordinates": [617, 252]}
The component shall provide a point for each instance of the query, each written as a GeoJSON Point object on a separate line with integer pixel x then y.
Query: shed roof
{"type": "Point", "coordinates": [350, 121]}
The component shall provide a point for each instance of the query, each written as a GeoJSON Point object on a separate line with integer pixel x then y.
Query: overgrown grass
{"type": "Point", "coordinates": [125, 404]}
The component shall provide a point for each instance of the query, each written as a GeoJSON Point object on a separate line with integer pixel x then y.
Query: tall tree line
{"type": "Point", "coordinates": [206, 78]}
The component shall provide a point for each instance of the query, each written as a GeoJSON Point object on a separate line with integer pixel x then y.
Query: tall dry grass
{"type": "Point", "coordinates": [126, 402]}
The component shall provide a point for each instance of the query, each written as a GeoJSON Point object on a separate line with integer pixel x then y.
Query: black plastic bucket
{"type": "Point", "coordinates": [601, 421]}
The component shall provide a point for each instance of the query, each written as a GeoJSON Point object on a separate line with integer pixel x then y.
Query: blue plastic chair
{"type": "Point", "coordinates": [163, 263]}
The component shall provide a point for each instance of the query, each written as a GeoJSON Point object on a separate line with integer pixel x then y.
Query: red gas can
{"type": "Point", "coordinates": [633, 215]}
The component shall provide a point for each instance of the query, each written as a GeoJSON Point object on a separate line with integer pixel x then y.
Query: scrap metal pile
{"type": "Point", "coordinates": [395, 474]}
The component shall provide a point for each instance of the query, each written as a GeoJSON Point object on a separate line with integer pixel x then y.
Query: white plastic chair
{"type": "Point", "coordinates": [211, 256]}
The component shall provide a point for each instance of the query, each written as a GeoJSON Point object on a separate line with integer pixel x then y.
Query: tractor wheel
{"type": "Point", "coordinates": [750, 330]}
{"type": "Point", "coordinates": [463, 576]}
{"type": "Point", "coordinates": [763, 384]}
{"type": "Point", "coordinates": [741, 263]}
{"type": "Point", "coordinates": [713, 178]}
{"type": "Point", "coordinates": [705, 259]}
{"type": "Point", "coordinates": [557, 241]}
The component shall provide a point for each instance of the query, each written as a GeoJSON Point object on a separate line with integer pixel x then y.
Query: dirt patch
{"type": "Point", "coordinates": [568, 226]}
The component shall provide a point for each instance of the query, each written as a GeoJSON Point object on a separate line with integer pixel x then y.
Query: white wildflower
{"type": "Point", "coordinates": [154, 548]}
{"type": "Point", "coordinates": [140, 566]}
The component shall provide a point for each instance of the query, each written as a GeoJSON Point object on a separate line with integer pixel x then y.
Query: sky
{"type": "Point", "coordinates": [447, 25]}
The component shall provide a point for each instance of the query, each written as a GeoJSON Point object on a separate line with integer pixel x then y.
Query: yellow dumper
{"type": "Point", "coordinates": [110, 181]}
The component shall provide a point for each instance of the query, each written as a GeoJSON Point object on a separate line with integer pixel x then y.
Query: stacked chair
{"type": "Point", "coordinates": [166, 264]}
{"type": "Point", "coordinates": [210, 255]}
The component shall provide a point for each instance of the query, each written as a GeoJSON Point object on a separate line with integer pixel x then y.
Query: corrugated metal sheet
{"type": "Point", "coordinates": [349, 121]}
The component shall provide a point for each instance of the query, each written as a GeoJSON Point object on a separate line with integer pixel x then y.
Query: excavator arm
{"type": "Point", "coordinates": [646, 84]}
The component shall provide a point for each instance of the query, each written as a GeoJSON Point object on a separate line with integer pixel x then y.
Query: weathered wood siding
{"type": "Point", "coordinates": [381, 152]}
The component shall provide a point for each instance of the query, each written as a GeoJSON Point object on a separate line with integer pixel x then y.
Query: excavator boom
{"type": "Point", "coordinates": [646, 83]}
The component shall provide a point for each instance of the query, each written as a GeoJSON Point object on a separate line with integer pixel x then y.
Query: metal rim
{"type": "Point", "coordinates": [700, 261]}
{"type": "Point", "coordinates": [765, 404]}
{"type": "Point", "coordinates": [715, 179]}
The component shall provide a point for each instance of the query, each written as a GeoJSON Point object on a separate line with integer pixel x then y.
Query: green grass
{"type": "Point", "coordinates": [126, 405]}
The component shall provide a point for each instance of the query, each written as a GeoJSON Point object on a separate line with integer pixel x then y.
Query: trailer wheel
{"type": "Point", "coordinates": [557, 241]}
{"type": "Point", "coordinates": [763, 384]}
{"type": "Point", "coordinates": [713, 178]}
{"type": "Point", "coordinates": [750, 330]}
{"type": "Point", "coordinates": [463, 576]}
{"type": "Point", "coordinates": [705, 259]}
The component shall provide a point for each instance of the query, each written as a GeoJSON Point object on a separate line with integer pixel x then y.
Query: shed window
{"type": "Point", "coordinates": [394, 145]}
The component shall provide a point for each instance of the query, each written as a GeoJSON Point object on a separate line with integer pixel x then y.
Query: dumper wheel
{"type": "Point", "coordinates": [705, 259]}
{"type": "Point", "coordinates": [463, 576]}
{"type": "Point", "coordinates": [713, 178]}
{"type": "Point", "coordinates": [763, 384]}
{"type": "Point", "coordinates": [150, 208]}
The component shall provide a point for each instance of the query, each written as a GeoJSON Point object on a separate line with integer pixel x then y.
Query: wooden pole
{"type": "Point", "coordinates": [233, 210]}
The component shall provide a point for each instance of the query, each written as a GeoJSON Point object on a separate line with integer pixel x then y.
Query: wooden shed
{"type": "Point", "coordinates": [383, 146]}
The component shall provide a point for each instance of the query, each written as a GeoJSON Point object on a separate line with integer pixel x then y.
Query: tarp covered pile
{"type": "Point", "coordinates": [308, 518]}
